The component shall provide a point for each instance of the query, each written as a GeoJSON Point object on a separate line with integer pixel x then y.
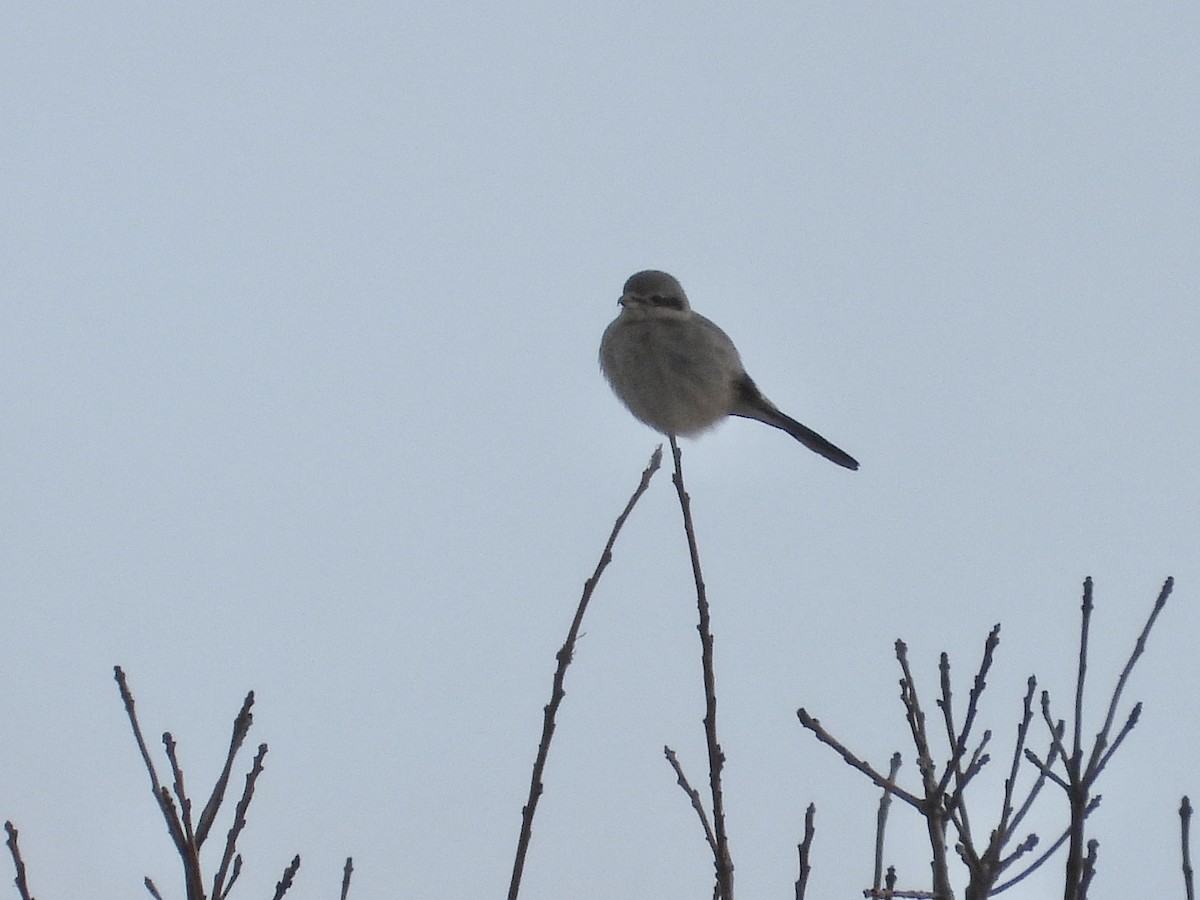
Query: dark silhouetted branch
{"type": "Point", "coordinates": [557, 692]}
{"type": "Point", "coordinates": [804, 849]}
{"type": "Point", "coordinates": [281, 886]}
{"type": "Point", "coordinates": [723, 861]}
{"type": "Point", "coordinates": [694, 796]}
{"type": "Point", "coordinates": [18, 863]}
{"type": "Point", "coordinates": [1080, 775]}
{"type": "Point", "coordinates": [1185, 827]}
{"type": "Point", "coordinates": [241, 727]}
{"type": "Point", "coordinates": [220, 887]}
{"type": "Point", "coordinates": [881, 818]}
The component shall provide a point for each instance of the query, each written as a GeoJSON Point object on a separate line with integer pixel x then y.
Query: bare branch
{"type": "Point", "coordinates": [694, 796]}
{"type": "Point", "coordinates": [915, 716]}
{"type": "Point", "coordinates": [1059, 730]}
{"type": "Point", "coordinates": [1081, 674]}
{"type": "Point", "coordinates": [814, 725]}
{"type": "Point", "coordinates": [174, 826]}
{"type": "Point", "coordinates": [557, 692]}
{"type": "Point", "coordinates": [1035, 865]}
{"type": "Point", "coordinates": [1185, 827]}
{"type": "Point", "coordinates": [885, 805]}
{"type": "Point", "coordinates": [1130, 723]}
{"type": "Point", "coordinates": [723, 861]}
{"type": "Point", "coordinates": [281, 887]}
{"type": "Point", "coordinates": [241, 727]}
{"type": "Point", "coordinates": [1044, 768]}
{"type": "Point", "coordinates": [346, 873]}
{"type": "Point", "coordinates": [805, 850]}
{"type": "Point", "coordinates": [18, 863]}
{"type": "Point", "coordinates": [234, 872]}
{"type": "Point", "coordinates": [220, 889]}
{"type": "Point", "coordinates": [1026, 846]}
{"type": "Point", "coordinates": [185, 805]}
{"type": "Point", "coordinates": [1139, 648]}
{"type": "Point", "coordinates": [1089, 868]}
{"type": "Point", "coordinates": [1010, 783]}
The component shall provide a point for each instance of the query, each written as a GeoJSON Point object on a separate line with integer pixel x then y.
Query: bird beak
{"type": "Point", "coordinates": [621, 300]}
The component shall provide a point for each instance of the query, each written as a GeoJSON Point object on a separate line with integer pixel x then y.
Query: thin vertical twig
{"type": "Point", "coordinates": [187, 839]}
{"type": "Point", "coordinates": [557, 692]}
{"type": "Point", "coordinates": [190, 851]}
{"type": "Point", "coordinates": [885, 806]}
{"type": "Point", "coordinates": [220, 886]}
{"type": "Point", "coordinates": [346, 873]}
{"type": "Point", "coordinates": [1081, 673]}
{"type": "Point", "coordinates": [162, 798]}
{"type": "Point", "coordinates": [18, 863]}
{"type": "Point", "coordinates": [723, 861]}
{"type": "Point", "coordinates": [933, 809]}
{"type": "Point", "coordinates": [693, 795]}
{"type": "Point", "coordinates": [1089, 868]}
{"type": "Point", "coordinates": [241, 727]}
{"type": "Point", "coordinates": [804, 848]}
{"type": "Point", "coordinates": [1081, 775]}
{"type": "Point", "coordinates": [1139, 647]}
{"type": "Point", "coordinates": [289, 874]}
{"type": "Point", "coordinates": [1185, 827]}
{"type": "Point", "coordinates": [1077, 789]}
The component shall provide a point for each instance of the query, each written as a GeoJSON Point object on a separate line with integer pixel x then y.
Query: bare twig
{"type": "Point", "coordinates": [281, 886]}
{"type": "Point", "coordinates": [220, 888]}
{"type": "Point", "coordinates": [885, 805]}
{"type": "Point", "coordinates": [241, 727]}
{"type": "Point", "coordinates": [1026, 846]}
{"type": "Point", "coordinates": [1139, 648]}
{"type": "Point", "coordinates": [986, 867]}
{"type": "Point", "coordinates": [1185, 827]}
{"type": "Point", "coordinates": [694, 796]}
{"type": "Point", "coordinates": [956, 805]}
{"type": "Point", "coordinates": [162, 798]}
{"type": "Point", "coordinates": [185, 805]}
{"type": "Point", "coordinates": [814, 725]}
{"type": "Point", "coordinates": [933, 807]}
{"type": "Point", "coordinates": [944, 789]}
{"type": "Point", "coordinates": [1008, 820]}
{"type": "Point", "coordinates": [914, 715]}
{"type": "Point", "coordinates": [190, 851]}
{"type": "Point", "coordinates": [889, 891]}
{"type": "Point", "coordinates": [1081, 672]}
{"type": "Point", "coordinates": [187, 839]}
{"type": "Point", "coordinates": [805, 850]}
{"type": "Point", "coordinates": [1080, 775]}
{"type": "Point", "coordinates": [1033, 866]}
{"type": "Point", "coordinates": [346, 873]}
{"type": "Point", "coordinates": [557, 693]}
{"type": "Point", "coordinates": [18, 863]}
{"type": "Point", "coordinates": [1089, 868]}
{"type": "Point", "coordinates": [722, 860]}
{"type": "Point", "coordinates": [233, 877]}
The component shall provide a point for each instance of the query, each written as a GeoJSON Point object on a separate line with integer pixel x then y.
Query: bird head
{"type": "Point", "coordinates": [654, 294]}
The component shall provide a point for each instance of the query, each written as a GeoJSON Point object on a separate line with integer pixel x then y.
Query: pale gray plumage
{"type": "Point", "coordinates": [679, 373]}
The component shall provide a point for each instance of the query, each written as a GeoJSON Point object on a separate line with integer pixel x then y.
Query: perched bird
{"type": "Point", "coordinates": [680, 374]}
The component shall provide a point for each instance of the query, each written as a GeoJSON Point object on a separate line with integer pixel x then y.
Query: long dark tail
{"type": "Point", "coordinates": [753, 405]}
{"type": "Point", "coordinates": [812, 440]}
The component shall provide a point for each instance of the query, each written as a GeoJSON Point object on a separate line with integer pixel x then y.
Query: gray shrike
{"type": "Point", "coordinates": [680, 374]}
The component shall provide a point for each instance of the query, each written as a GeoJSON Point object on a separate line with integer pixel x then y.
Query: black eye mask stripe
{"type": "Point", "coordinates": [671, 302]}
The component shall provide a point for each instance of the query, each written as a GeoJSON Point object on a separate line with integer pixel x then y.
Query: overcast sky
{"type": "Point", "coordinates": [301, 306]}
